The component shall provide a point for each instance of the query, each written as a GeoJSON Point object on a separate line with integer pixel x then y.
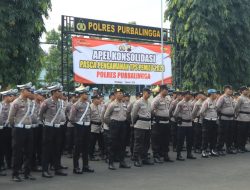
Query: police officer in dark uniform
{"type": "Point", "coordinates": [141, 120]}
{"type": "Point", "coordinates": [5, 131]}
{"type": "Point", "coordinates": [50, 115]}
{"type": "Point", "coordinates": [183, 115]}
{"type": "Point", "coordinates": [225, 109]}
{"type": "Point", "coordinates": [80, 118]}
{"type": "Point", "coordinates": [115, 116]}
{"type": "Point", "coordinates": [22, 134]}
{"type": "Point", "coordinates": [161, 130]}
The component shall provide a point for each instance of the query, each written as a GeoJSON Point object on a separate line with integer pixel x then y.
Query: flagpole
{"type": "Point", "coordinates": [162, 47]}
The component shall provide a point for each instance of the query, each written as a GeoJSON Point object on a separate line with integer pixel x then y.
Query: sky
{"type": "Point", "coordinates": [143, 12]}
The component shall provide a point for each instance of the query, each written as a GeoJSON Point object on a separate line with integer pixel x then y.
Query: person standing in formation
{"type": "Point", "coordinates": [225, 109]}
{"type": "Point", "coordinates": [80, 118]}
{"type": "Point", "coordinates": [242, 112]}
{"type": "Point", "coordinates": [197, 121]}
{"type": "Point", "coordinates": [5, 130]}
{"type": "Point", "coordinates": [96, 127]}
{"type": "Point", "coordinates": [116, 116]}
{"type": "Point", "coordinates": [141, 120]}
{"type": "Point", "coordinates": [183, 115]}
{"type": "Point", "coordinates": [22, 134]}
{"type": "Point", "coordinates": [161, 130]}
{"type": "Point", "coordinates": [209, 126]}
{"type": "Point", "coordinates": [50, 115]}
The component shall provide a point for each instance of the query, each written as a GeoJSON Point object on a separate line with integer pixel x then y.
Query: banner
{"type": "Point", "coordinates": [115, 62]}
{"type": "Point", "coordinates": [105, 28]}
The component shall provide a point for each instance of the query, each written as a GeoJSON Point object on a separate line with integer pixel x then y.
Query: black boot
{"type": "Point", "coordinates": [137, 163]}
{"type": "Point", "coordinates": [158, 160]}
{"type": "Point", "coordinates": [123, 164]}
{"type": "Point", "coordinates": [87, 169]}
{"type": "Point", "coordinates": [29, 177]}
{"type": "Point", "coordinates": [180, 158]}
{"type": "Point", "coordinates": [111, 166]}
{"type": "Point", "coordinates": [167, 159]}
{"type": "Point", "coordinates": [60, 173]}
{"type": "Point", "coordinates": [46, 175]}
{"type": "Point", "coordinates": [77, 171]}
{"type": "Point", "coordinates": [16, 178]}
{"type": "Point", "coordinates": [191, 156]}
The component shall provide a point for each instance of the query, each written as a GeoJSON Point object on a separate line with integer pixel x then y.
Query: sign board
{"type": "Point", "coordinates": [121, 30]}
{"type": "Point", "coordinates": [115, 62]}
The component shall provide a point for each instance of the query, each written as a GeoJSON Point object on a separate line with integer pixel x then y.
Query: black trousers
{"type": "Point", "coordinates": [94, 138]}
{"type": "Point", "coordinates": [235, 133]}
{"type": "Point", "coordinates": [22, 146]}
{"type": "Point", "coordinates": [182, 133]}
{"type": "Point", "coordinates": [128, 131]}
{"type": "Point", "coordinates": [70, 139]}
{"type": "Point", "coordinates": [174, 133]}
{"type": "Point", "coordinates": [225, 134]}
{"type": "Point", "coordinates": [5, 147]}
{"type": "Point", "coordinates": [1, 148]}
{"type": "Point", "coordinates": [63, 136]}
{"type": "Point", "coordinates": [197, 135]}
{"type": "Point", "coordinates": [141, 142]}
{"type": "Point", "coordinates": [209, 134]}
{"type": "Point", "coordinates": [37, 147]}
{"type": "Point", "coordinates": [161, 134]}
{"type": "Point", "coordinates": [118, 132]}
{"type": "Point", "coordinates": [81, 145]}
{"type": "Point", "coordinates": [106, 138]}
{"type": "Point", "coordinates": [132, 139]}
{"type": "Point", "coordinates": [243, 129]}
{"type": "Point", "coordinates": [51, 147]}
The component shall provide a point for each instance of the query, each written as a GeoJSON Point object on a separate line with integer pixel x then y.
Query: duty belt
{"type": "Point", "coordinates": [52, 125]}
{"type": "Point", "coordinates": [159, 118]}
{"type": "Point", "coordinates": [210, 119]}
{"type": "Point", "coordinates": [144, 119]}
{"type": "Point", "coordinates": [227, 115]}
{"type": "Point", "coordinates": [96, 123]}
{"type": "Point", "coordinates": [244, 112]}
{"type": "Point", "coordinates": [186, 120]}
{"type": "Point", "coordinates": [23, 126]}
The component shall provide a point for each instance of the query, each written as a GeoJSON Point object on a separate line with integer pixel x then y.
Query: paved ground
{"type": "Point", "coordinates": [223, 173]}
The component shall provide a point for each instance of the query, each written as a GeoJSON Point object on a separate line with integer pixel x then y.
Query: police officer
{"type": "Point", "coordinates": [96, 127]}
{"type": "Point", "coordinates": [70, 126]}
{"type": "Point", "coordinates": [5, 131]}
{"type": "Point", "coordinates": [200, 98]}
{"type": "Point", "coordinates": [126, 100]}
{"type": "Point", "coordinates": [183, 115]}
{"type": "Point", "coordinates": [80, 117]}
{"type": "Point", "coordinates": [209, 126]}
{"type": "Point", "coordinates": [22, 134]}
{"type": "Point", "coordinates": [173, 123]}
{"type": "Point", "coordinates": [106, 133]}
{"type": "Point", "coordinates": [138, 95]}
{"type": "Point", "coordinates": [242, 111]}
{"type": "Point", "coordinates": [115, 116]}
{"type": "Point", "coordinates": [37, 130]}
{"type": "Point", "coordinates": [141, 120]}
{"type": "Point", "coordinates": [161, 130]}
{"type": "Point", "coordinates": [50, 116]}
{"type": "Point", "coordinates": [225, 109]}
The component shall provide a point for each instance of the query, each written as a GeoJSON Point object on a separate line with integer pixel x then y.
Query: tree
{"type": "Point", "coordinates": [52, 60]}
{"type": "Point", "coordinates": [211, 41]}
{"type": "Point", "coordinates": [21, 25]}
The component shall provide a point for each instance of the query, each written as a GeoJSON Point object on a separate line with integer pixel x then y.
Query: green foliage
{"type": "Point", "coordinates": [212, 41]}
{"type": "Point", "coordinates": [21, 26]}
{"type": "Point", "coordinates": [52, 60]}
